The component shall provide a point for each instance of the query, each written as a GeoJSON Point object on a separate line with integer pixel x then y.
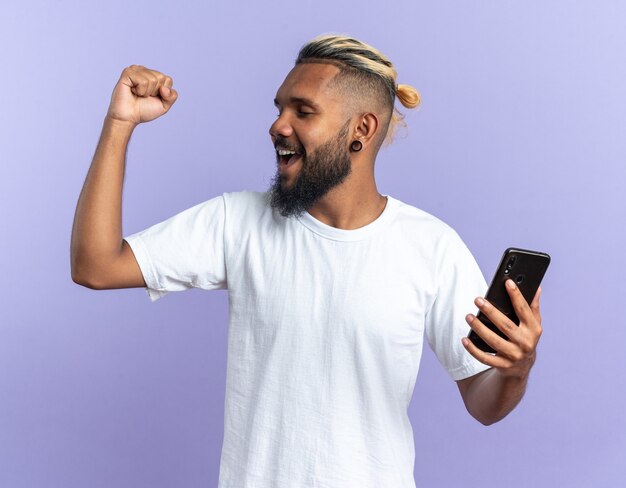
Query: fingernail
{"type": "Point", "coordinates": [480, 302]}
{"type": "Point", "coordinates": [510, 284]}
{"type": "Point", "coordinates": [167, 91]}
{"type": "Point", "coordinates": [469, 317]}
{"type": "Point", "coordinates": [465, 341]}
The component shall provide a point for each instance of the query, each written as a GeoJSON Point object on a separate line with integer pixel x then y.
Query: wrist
{"type": "Point", "coordinates": [119, 124]}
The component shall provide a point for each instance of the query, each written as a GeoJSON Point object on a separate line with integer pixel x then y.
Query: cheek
{"type": "Point", "coordinates": [311, 139]}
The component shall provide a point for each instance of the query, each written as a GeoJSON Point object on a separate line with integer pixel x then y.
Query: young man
{"type": "Point", "coordinates": [332, 285]}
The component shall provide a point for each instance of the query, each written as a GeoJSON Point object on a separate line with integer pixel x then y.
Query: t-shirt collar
{"type": "Point", "coordinates": [336, 234]}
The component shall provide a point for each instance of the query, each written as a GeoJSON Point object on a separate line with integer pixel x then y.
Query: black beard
{"type": "Point", "coordinates": [320, 172]}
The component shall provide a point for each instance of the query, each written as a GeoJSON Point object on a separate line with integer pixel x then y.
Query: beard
{"type": "Point", "coordinates": [327, 167]}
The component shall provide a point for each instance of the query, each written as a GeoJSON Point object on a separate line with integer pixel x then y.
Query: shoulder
{"type": "Point", "coordinates": [245, 201]}
{"type": "Point", "coordinates": [430, 236]}
{"type": "Point", "coordinates": [422, 225]}
{"type": "Point", "coordinates": [249, 209]}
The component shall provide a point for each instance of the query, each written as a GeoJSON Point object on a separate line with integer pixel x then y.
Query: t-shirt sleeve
{"type": "Point", "coordinates": [185, 251]}
{"type": "Point", "coordinates": [460, 281]}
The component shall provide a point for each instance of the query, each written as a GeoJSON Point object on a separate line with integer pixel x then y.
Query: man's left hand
{"type": "Point", "coordinates": [514, 357]}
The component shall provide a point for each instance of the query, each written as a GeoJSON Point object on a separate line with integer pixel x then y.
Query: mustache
{"type": "Point", "coordinates": [282, 143]}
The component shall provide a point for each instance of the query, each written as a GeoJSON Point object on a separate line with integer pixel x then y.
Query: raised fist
{"type": "Point", "coordinates": [141, 95]}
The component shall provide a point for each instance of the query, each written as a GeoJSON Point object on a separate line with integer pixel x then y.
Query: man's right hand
{"type": "Point", "coordinates": [141, 95]}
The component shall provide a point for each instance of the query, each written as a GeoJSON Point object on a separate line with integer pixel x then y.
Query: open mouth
{"type": "Point", "coordinates": [287, 157]}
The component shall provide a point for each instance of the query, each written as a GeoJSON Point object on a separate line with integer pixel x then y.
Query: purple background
{"type": "Point", "coordinates": [520, 141]}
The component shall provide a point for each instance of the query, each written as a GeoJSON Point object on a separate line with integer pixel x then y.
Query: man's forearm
{"type": "Point", "coordinates": [491, 396]}
{"type": "Point", "coordinates": [97, 228]}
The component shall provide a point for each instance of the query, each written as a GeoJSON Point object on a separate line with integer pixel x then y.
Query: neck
{"type": "Point", "coordinates": [351, 205]}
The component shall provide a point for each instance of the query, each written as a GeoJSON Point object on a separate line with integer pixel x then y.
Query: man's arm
{"type": "Point", "coordinates": [491, 395]}
{"type": "Point", "coordinates": [97, 230]}
{"type": "Point", "coordinates": [99, 257]}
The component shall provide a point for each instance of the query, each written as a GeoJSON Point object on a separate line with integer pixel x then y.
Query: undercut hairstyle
{"type": "Point", "coordinates": [364, 73]}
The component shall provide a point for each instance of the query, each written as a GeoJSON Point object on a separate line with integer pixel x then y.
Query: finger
{"type": "Point", "coordinates": [497, 343]}
{"type": "Point", "coordinates": [165, 92]}
{"type": "Point", "coordinates": [168, 98]}
{"type": "Point", "coordinates": [522, 309]}
{"type": "Point", "coordinates": [165, 87]}
{"type": "Point", "coordinates": [153, 84]}
{"type": "Point", "coordinates": [139, 84]}
{"type": "Point", "coordinates": [160, 80]}
{"type": "Point", "coordinates": [136, 79]}
{"type": "Point", "coordinates": [500, 320]}
{"type": "Point", "coordinates": [143, 81]}
{"type": "Point", "coordinates": [492, 360]}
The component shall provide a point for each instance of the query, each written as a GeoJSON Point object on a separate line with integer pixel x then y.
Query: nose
{"type": "Point", "coordinates": [281, 127]}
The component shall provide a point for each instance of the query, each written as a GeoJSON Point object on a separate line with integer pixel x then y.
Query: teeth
{"type": "Point", "coordinates": [284, 152]}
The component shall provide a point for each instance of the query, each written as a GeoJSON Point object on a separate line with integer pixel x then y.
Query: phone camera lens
{"type": "Point", "coordinates": [506, 271]}
{"type": "Point", "coordinates": [519, 279]}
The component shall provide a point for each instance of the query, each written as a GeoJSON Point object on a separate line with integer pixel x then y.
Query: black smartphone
{"type": "Point", "coordinates": [526, 268]}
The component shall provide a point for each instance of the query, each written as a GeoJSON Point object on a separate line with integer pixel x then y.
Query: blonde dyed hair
{"type": "Point", "coordinates": [367, 68]}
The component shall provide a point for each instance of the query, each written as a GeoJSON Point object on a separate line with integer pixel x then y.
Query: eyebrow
{"type": "Point", "coordinates": [302, 100]}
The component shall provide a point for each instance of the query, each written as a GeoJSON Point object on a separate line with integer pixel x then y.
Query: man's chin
{"type": "Point", "coordinates": [287, 207]}
{"type": "Point", "coordinates": [287, 211]}
{"type": "Point", "coordinates": [280, 200]}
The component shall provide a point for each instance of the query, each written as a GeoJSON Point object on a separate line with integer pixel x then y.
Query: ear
{"type": "Point", "coordinates": [366, 128]}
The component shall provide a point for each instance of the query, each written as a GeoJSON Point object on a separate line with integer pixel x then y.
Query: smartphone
{"type": "Point", "coordinates": [526, 268]}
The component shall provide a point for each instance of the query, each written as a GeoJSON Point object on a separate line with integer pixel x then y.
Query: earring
{"type": "Point", "coordinates": [356, 146]}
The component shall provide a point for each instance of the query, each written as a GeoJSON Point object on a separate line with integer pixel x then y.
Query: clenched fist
{"type": "Point", "coordinates": [141, 95]}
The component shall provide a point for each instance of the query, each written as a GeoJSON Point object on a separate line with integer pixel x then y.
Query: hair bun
{"type": "Point", "coordinates": [408, 96]}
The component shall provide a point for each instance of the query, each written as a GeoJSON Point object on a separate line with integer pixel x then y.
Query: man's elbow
{"type": "Point", "coordinates": [81, 280]}
{"type": "Point", "coordinates": [487, 422]}
{"type": "Point", "coordinates": [485, 419]}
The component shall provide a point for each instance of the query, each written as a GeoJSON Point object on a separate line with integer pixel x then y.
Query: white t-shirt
{"type": "Point", "coordinates": [325, 332]}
